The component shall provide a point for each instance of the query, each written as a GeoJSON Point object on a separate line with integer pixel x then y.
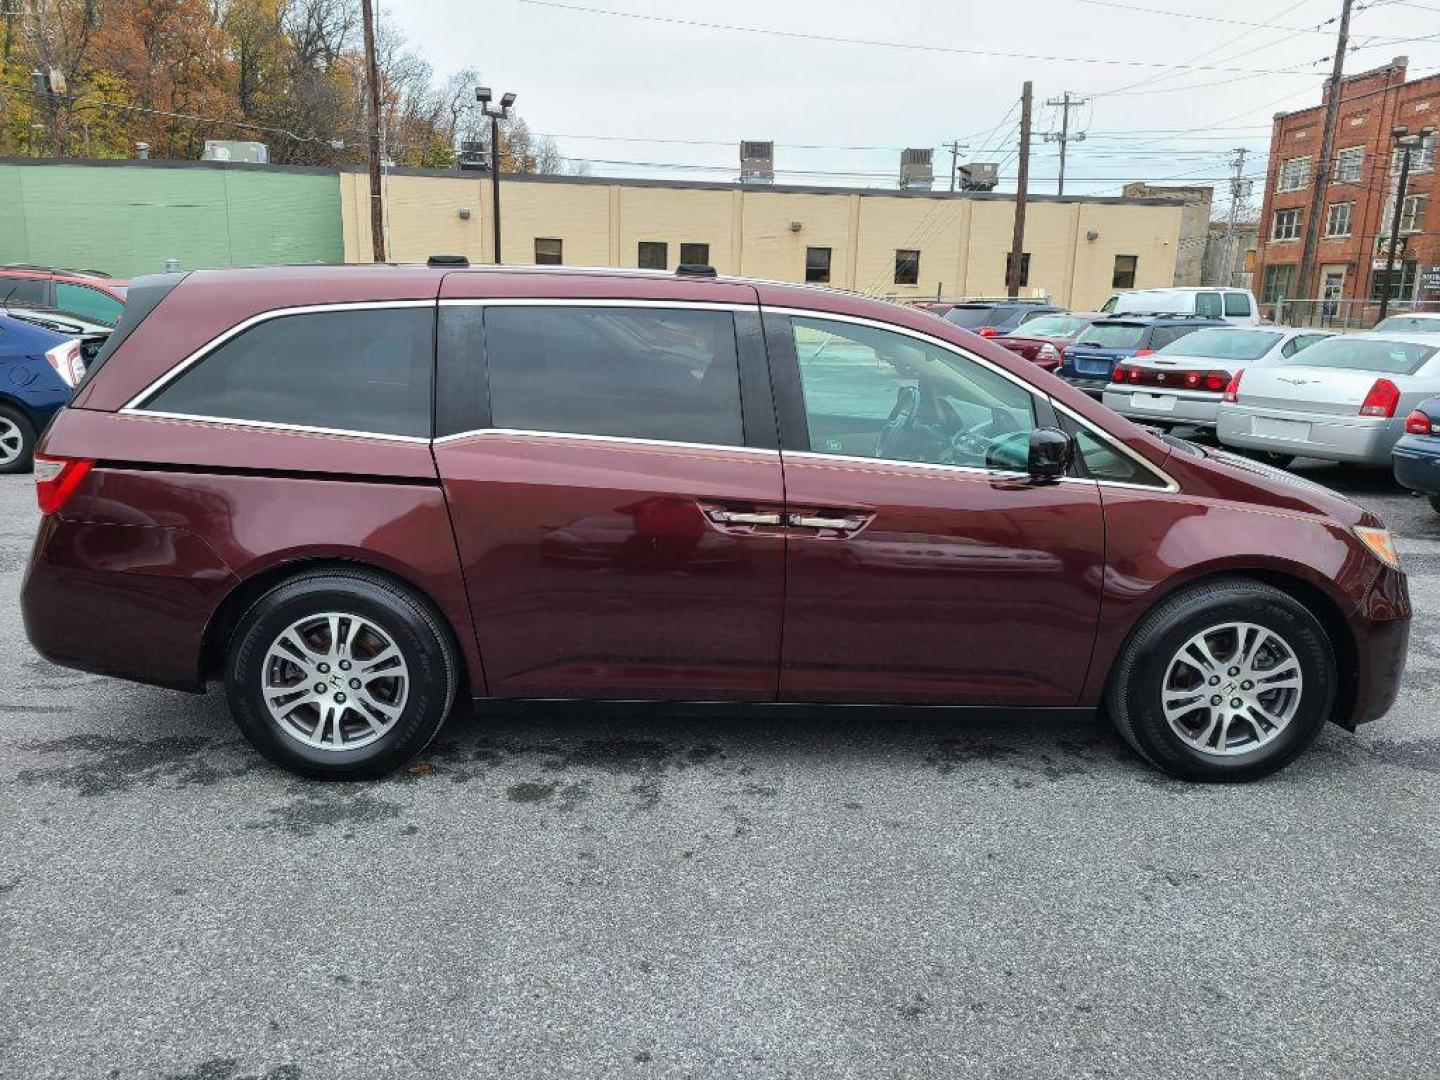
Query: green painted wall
{"type": "Point", "coordinates": [128, 219]}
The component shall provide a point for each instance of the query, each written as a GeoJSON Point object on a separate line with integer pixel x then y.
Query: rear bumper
{"type": "Point", "coordinates": [1417, 463]}
{"type": "Point", "coordinates": [1094, 385]}
{"type": "Point", "coordinates": [1353, 439]}
{"type": "Point", "coordinates": [1186, 406]}
{"type": "Point", "coordinates": [125, 600]}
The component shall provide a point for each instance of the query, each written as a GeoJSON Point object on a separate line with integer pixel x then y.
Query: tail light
{"type": "Point", "coordinates": [1047, 352]}
{"type": "Point", "coordinates": [67, 361]}
{"type": "Point", "coordinates": [1382, 399]}
{"type": "Point", "coordinates": [1121, 373]}
{"type": "Point", "coordinates": [1144, 352]}
{"type": "Point", "coordinates": [56, 480]}
{"type": "Point", "coordinates": [987, 331]}
{"type": "Point", "coordinates": [1216, 380]}
{"type": "Point", "coordinates": [1232, 389]}
{"type": "Point", "coordinates": [1417, 423]}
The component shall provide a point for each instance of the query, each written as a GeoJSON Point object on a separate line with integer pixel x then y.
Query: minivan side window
{"type": "Point", "coordinates": [880, 394]}
{"type": "Point", "coordinates": [645, 373]}
{"type": "Point", "coordinates": [363, 370]}
{"type": "Point", "coordinates": [1237, 303]}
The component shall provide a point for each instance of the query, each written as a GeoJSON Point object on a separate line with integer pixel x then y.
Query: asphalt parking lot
{"type": "Point", "coordinates": [598, 898]}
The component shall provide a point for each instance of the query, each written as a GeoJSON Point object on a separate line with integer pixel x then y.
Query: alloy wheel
{"type": "Point", "coordinates": [1232, 689]}
{"type": "Point", "coordinates": [334, 681]}
{"type": "Point", "coordinates": [12, 441]}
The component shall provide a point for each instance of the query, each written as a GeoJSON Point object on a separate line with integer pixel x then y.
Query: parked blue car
{"type": "Point", "coordinates": [1089, 362]}
{"type": "Point", "coordinates": [41, 360]}
{"type": "Point", "coordinates": [1417, 455]}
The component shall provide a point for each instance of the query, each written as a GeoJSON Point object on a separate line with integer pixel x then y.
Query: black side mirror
{"type": "Point", "coordinates": [1051, 452]}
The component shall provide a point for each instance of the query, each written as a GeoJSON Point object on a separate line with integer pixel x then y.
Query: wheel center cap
{"type": "Point", "coordinates": [1230, 688]}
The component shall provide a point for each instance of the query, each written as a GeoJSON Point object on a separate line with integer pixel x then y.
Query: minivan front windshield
{"type": "Point", "coordinates": [1221, 344]}
{"type": "Point", "coordinates": [1361, 354]}
{"type": "Point", "coordinates": [1113, 335]}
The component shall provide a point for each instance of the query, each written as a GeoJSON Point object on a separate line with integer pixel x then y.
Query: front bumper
{"type": "Point", "coordinates": [1355, 439]}
{"type": "Point", "coordinates": [1381, 628]}
{"type": "Point", "coordinates": [1184, 407]}
{"type": "Point", "coordinates": [1417, 463]}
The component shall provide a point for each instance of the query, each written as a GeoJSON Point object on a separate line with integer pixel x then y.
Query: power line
{"type": "Point", "coordinates": [874, 43]}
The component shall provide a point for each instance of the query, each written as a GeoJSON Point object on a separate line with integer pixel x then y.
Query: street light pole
{"type": "Point", "coordinates": [482, 95]}
{"type": "Point", "coordinates": [1406, 142]}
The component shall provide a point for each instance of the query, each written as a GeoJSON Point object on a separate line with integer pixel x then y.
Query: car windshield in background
{"type": "Point", "coordinates": [1221, 344]}
{"type": "Point", "coordinates": [1056, 326]}
{"type": "Point", "coordinates": [1113, 335]}
{"type": "Point", "coordinates": [971, 317]}
{"type": "Point", "coordinates": [1367, 354]}
{"type": "Point", "coordinates": [1422, 324]}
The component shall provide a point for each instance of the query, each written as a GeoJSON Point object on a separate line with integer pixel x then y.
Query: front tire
{"type": "Point", "coordinates": [340, 675]}
{"type": "Point", "coordinates": [1227, 681]}
{"type": "Point", "coordinates": [17, 441]}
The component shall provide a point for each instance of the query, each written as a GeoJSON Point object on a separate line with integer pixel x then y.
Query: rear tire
{"type": "Point", "coordinates": [17, 441]}
{"type": "Point", "coordinates": [1435, 503]}
{"type": "Point", "coordinates": [340, 675]}
{"type": "Point", "coordinates": [1205, 713]}
{"type": "Point", "coordinates": [1274, 460]}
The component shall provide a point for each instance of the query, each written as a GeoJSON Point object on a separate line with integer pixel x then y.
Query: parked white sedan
{"type": "Point", "coordinates": [1182, 383]}
{"type": "Point", "coordinates": [1345, 401]}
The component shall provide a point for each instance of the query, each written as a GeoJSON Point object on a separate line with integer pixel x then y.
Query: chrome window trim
{"type": "Point", "coordinates": [574, 436]}
{"type": "Point", "coordinates": [541, 301]}
{"type": "Point", "coordinates": [137, 403]}
{"type": "Point", "coordinates": [270, 425]}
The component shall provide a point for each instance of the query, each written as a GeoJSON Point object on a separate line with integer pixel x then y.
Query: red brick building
{"type": "Point", "coordinates": [1359, 194]}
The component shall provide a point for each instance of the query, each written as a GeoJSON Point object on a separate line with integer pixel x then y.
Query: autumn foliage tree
{"type": "Point", "coordinates": [174, 73]}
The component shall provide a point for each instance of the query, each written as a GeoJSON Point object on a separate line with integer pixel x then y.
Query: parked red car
{"type": "Point", "coordinates": [88, 294]}
{"type": "Point", "coordinates": [355, 493]}
{"type": "Point", "coordinates": [1042, 340]}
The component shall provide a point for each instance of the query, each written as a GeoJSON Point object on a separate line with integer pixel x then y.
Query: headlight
{"type": "Point", "coordinates": [1380, 543]}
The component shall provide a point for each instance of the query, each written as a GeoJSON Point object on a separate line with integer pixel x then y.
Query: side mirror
{"type": "Point", "coordinates": [1051, 451]}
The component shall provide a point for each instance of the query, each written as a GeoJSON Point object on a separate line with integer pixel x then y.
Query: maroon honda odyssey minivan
{"type": "Point", "coordinates": [353, 493]}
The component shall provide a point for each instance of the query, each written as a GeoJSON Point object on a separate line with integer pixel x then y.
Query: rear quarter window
{"type": "Point", "coordinates": [353, 370]}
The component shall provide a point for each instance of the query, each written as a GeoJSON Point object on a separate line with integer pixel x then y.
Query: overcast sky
{"type": "Point", "coordinates": [592, 79]}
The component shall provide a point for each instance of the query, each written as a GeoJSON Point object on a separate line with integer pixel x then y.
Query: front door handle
{"type": "Point", "coordinates": [819, 521]}
{"type": "Point", "coordinates": [744, 517]}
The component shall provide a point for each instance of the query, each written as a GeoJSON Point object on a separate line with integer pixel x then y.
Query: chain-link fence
{"type": "Point", "coordinates": [1344, 315]}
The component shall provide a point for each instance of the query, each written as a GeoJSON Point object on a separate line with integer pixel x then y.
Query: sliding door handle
{"type": "Point", "coordinates": [817, 521]}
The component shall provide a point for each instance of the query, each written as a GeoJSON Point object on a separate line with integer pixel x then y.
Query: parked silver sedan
{"type": "Point", "coordinates": [1181, 384]}
{"type": "Point", "coordinates": [1346, 400]}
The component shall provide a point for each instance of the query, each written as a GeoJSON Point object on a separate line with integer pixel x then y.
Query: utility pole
{"type": "Point", "coordinates": [1239, 189]}
{"type": "Point", "coordinates": [372, 77]}
{"type": "Point", "coordinates": [1321, 179]}
{"type": "Point", "coordinates": [1406, 142]}
{"type": "Point", "coordinates": [1022, 189]}
{"type": "Point", "coordinates": [1065, 103]}
{"type": "Point", "coordinates": [954, 147]}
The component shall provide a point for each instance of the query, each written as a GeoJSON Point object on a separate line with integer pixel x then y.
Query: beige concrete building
{"type": "Point", "coordinates": [902, 244]}
{"type": "Point", "coordinates": [1194, 225]}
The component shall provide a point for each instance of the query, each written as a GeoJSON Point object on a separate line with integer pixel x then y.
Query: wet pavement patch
{"type": "Point", "coordinates": [229, 1069]}
{"type": "Point", "coordinates": [311, 814]}
{"type": "Point", "coordinates": [1422, 754]}
{"type": "Point", "coordinates": [101, 765]}
{"type": "Point", "coordinates": [529, 791]}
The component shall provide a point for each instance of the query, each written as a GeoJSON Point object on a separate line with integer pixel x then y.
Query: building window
{"type": "Point", "coordinates": [1412, 214]}
{"type": "Point", "coordinates": [817, 265]}
{"type": "Point", "coordinates": [1277, 283]}
{"type": "Point", "coordinates": [1422, 157]}
{"type": "Point", "coordinates": [1337, 218]}
{"type": "Point", "coordinates": [1286, 226]}
{"type": "Point", "coordinates": [695, 254]}
{"type": "Point", "coordinates": [654, 255]}
{"type": "Point", "coordinates": [1402, 282]}
{"type": "Point", "coordinates": [1294, 174]}
{"type": "Point", "coordinates": [548, 251]}
{"type": "Point", "coordinates": [907, 266]}
{"type": "Point", "coordinates": [1124, 275]}
{"type": "Point", "coordinates": [1025, 268]}
{"type": "Point", "coordinates": [1348, 164]}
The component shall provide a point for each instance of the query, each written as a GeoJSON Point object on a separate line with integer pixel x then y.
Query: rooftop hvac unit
{"type": "Point", "coordinates": [252, 153]}
{"type": "Point", "coordinates": [979, 176]}
{"type": "Point", "coordinates": [757, 162]}
{"type": "Point", "coordinates": [916, 171]}
{"type": "Point", "coordinates": [474, 156]}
